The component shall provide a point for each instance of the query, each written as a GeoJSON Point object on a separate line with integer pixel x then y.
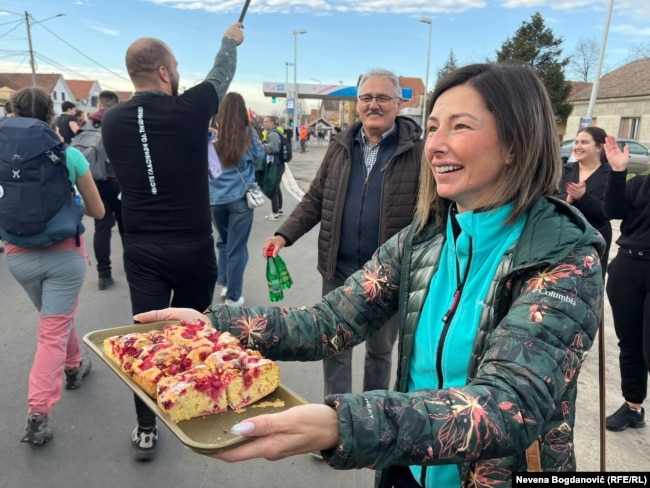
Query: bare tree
{"type": "Point", "coordinates": [638, 51]}
{"type": "Point", "coordinates": [584, 59]}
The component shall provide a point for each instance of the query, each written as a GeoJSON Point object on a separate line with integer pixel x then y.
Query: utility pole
{"type": "Point", "coordinates": [29, 40]}
{"type": "Point", "coordinates": [31, 50]}
{"type": "Point", "coordinates": [596, 85]}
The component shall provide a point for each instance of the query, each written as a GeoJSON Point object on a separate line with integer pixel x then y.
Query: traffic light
{"type": "Point", "coordinates": [291, 123]}
{"type": "Point", "coordinates": [273, 100]}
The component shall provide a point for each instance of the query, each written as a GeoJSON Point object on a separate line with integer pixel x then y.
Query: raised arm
{"type": "Point", "coordinates": [225, 63]}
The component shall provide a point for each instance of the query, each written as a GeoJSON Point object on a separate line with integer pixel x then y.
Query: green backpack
{"type": "Point", "coordinates": [266, 176]}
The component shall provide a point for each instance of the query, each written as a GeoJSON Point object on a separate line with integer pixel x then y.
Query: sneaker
{"type": "Point", "coordinates": [235, 303]}
{"type": "Point", "coordinates": [625, 417]}
{"type": "Point", "coordinates": [74, 378]}
{"type": "Point", "coordinates": [272, 216]}
{"type": "Point", "coordinates": [37, 431]}
{"type": "Point", "coordinates": [316, 455]}
{"type": "Point", "coordinates": [105, 283]}
{"type": "Point", "coordinates": [224, 292]}
{"type": "Point", "coordinates": [280, 211]}
{"type": "Point", "coordinates": [144, 443]}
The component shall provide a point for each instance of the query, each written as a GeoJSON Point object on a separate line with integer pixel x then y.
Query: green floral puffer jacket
{"type": "Point", "coordinates": [540, 318]}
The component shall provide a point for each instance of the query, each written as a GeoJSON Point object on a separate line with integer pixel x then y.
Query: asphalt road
{"type": "Point", "coordinates": [92, 425]}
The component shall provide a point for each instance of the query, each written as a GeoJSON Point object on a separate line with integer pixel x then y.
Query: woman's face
{"type": "Point", "coordinates": [585, 148]}
{"type": "Point", "coordinates": [463, 148]}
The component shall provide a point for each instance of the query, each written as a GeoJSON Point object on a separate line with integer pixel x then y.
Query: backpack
{"type": "Point", "coordinates": [37, 200]}
{"type": "Point", "coordinates": [286, 152]}
{"type": "Point", "coordinates": [266, 175]}
{"type": "Point", "coordinates": [89, 141]}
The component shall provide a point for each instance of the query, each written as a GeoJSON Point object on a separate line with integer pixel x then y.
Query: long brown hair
{"type": "Point", "coordinates": [234, 130]}
{"type": "Point", "coordinates": [525, 124]}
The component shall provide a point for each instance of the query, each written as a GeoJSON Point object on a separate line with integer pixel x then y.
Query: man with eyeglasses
{"type": "Point", "coordinates": [364, 192]}
{"type": "Point", "coordinates": [157, 142]}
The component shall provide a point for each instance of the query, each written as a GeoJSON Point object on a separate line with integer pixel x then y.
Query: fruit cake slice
{"type": "Point", "coordinates": [193, 393]}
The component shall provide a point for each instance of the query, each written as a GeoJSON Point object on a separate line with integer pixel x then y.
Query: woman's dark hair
{"type": "Point", "coordinates": [234, 128]}
{"type": "Point", "coordinates": [525, 124]}
{"type": "Point", "coordinates": [33, 102]}
{"type": "Point", "coordinates": [599, 136]}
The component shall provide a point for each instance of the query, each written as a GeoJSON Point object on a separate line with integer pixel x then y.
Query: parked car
{"type": "Point", "coordinates": [566, 149]}
{"type": "Point", "coordinates": [639, 154]}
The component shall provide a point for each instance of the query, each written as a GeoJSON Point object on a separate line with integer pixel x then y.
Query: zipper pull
{"type": "Point", "coordinates": [452, 309]}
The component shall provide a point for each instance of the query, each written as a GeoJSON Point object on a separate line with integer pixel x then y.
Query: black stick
{"type": "Point", "coordinates": [243, 11]}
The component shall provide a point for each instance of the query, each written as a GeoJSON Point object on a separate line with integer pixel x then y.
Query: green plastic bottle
{"type": "Point", "coordinates": [285, 277]}
{"type": "Point", "coordinates": [273, 277]}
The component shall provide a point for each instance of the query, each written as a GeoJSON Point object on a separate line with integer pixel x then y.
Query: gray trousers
{"type": "Point", "coordinates": [337, 370]}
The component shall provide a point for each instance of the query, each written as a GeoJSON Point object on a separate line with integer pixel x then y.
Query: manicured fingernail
{"type": "Point", "coordinates": [244, 428]}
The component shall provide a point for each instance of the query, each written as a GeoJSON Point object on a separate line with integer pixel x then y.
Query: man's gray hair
{"type": "Point", "coordinates": [381, 73]}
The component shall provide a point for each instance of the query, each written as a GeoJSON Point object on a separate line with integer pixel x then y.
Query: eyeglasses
{"type": "Point", "coordinates": [379, 98]}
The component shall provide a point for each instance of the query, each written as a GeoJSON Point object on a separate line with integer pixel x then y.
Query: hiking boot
{"type": "Point", "coordinates": [105, 283]}
{"type": "Point", "coordinates": [144, 443]}
{"type": "Point", "coordinates": [37, 432]}
{"type": "Point", "coordinates": [74, 378]}
{"type": "Point", "coordinates": [625, 417]}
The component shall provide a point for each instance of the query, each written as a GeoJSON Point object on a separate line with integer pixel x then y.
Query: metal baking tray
{"type": "Point", "coordinates": [206, 435]}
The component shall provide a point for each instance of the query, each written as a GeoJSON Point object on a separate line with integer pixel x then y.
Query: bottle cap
{"type": "Point", "coordinates": [269, 251]}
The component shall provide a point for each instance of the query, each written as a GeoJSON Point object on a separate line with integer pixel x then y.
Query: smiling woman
{"type": "Point", "coordinates": [477, 385]}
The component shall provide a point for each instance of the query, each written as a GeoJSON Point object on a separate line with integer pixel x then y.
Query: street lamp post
{"type": "Point", "coordinates": [296, 111]}
{"type": "Point", "coordinates": [286, 73]}
{"type": "Point", "coordinates": [286, 85]}
{"type": "Point", "coordinates": [341, 109]}
{"type": "Point", "coordinates": [426, 20]}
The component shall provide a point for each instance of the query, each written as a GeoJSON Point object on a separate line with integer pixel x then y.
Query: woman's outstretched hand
{"type": "Point", "coordinates": [299, 430]}
{"type": "Point", "coordinates": [617, 159]}
{"type": "Point", "coordinates": [185, 314]}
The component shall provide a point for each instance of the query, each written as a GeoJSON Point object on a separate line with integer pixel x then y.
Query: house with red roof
{"type": "Point", "coordinates": [52, 83]}
{"type": "Point", "coordinates": [86, 94]}
{"type": "Point", "coordinates": [622, 106]}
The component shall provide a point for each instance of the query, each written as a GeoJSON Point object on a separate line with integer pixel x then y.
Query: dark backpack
{"type": "Point", "coordinates": [89, 141]}
{"type": "Point", "coordinates": [286, 152]}
{"type": "Point", "coordinates": [37, 201]}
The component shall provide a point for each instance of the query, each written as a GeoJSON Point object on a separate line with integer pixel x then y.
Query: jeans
{"type": "Point", "coordinates": [337, 370]}
{"type": "Point", "coordinates": [628, 290]}
{"type": "Point", "coordinates": [233, 222]}
{"type": "Point", "coordinates": [109, 191]}
{"type": "Point", "coordinates": [276, 196]}
{"type": "Point", "coordinates": [177, 274]}
{"type": "Point", "coordinates": [52, 279]}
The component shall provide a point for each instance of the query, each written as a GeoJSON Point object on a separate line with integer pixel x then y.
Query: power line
{"type": "Point", "coordinates": [11, 30]}
{"type": "Point", "coordinates": [84, 55]}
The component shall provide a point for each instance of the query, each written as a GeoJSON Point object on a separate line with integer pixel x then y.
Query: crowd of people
{"type": "Point", "coordinates": [442, 239]}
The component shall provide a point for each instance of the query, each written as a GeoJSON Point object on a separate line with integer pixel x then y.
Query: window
{"type": "Point", "coordinates": [53, 95]}
{"type": "Point", "coordinates": [629, 128]}
{"type": "Point", "coordinates": [93, 101]}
